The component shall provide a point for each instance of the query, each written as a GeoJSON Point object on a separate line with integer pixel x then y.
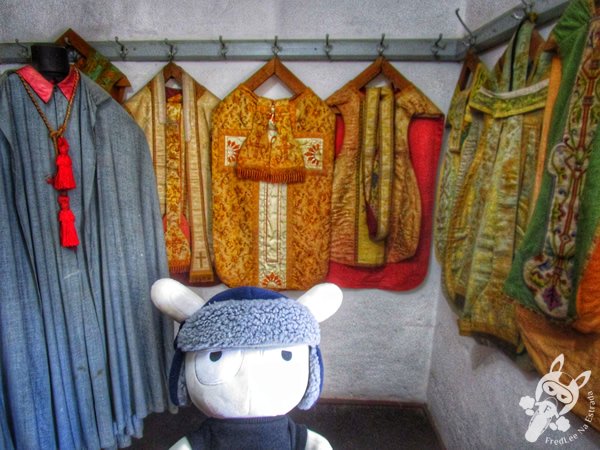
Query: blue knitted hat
{"type": "Point", "coordinates": [248, 317]}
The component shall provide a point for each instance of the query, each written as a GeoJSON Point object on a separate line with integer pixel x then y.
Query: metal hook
{"type": "Point", "coordinates": [529, 5]}
{"type": "Point", "coordinates": [224, 48]}
{"type": "Point", "coordinates": [24, 48]}
{"type": "Point", "coordinates": [437, 46]}
{"type": "Point", "coordinates": [327, 47]}
{"type": "Point", "coordinates": [471, 39]}
{"type": "Point", "coordinates": [517, 16]}
{"type": "Point", "coordinates": [381, 46]}
{"type": "Point", "coordinates": [275, 48]}
{"type": "Point", "coordinates": [123, 51]}
{"type": "Point", "coordinates": [172, 50]}
{"type": "Point", "coordinates": [527, 10]}
{"type": "Point", "coordinates": [73, 53]}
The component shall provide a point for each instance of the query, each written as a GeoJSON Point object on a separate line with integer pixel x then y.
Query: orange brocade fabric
{"type": "Point", "coordinates": [424, 141]}
{"type": "Point", "coordinates": [545, 340]}
{"type": "Point", "coordinates": [271, 224]}
{"type": "Point", "coordinates": [176, 123]}
{"type": "Point", "coordinates": [413, 131]}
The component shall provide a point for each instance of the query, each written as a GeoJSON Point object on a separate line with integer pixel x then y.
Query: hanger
{"type": "Point", "coordinates": [468, 69]}
{"type": "Point", "coordinates": [551, 44]}
{"type": "Point", "coordinates": [381, 66]}
{"type": "Point", "coordinates": [537, 44]}
{"type": "Point", "coordinates": [80, 52]}
{"type": "Point", "coordinates": [275, 67]}
{"type": "Point", "coordinates": [173, 72]}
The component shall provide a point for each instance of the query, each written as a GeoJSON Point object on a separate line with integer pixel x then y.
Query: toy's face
{"type": "Point", "coordinates": [241, 383]}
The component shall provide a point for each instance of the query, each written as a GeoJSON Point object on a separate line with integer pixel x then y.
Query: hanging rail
{"type": "Point", "coordinates": [501, 28]}
{"type": "Point", "coordinates": [488, 36]}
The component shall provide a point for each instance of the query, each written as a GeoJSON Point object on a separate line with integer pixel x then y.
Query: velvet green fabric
{"type": "Point", "coordinates": [570, 33]}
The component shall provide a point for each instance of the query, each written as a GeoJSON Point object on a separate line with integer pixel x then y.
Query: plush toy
{"type": "Point", "coordinates": [246, 358]}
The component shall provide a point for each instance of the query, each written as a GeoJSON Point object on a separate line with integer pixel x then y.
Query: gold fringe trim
{"type": "Point", "coordinates": [179, 266]}
{"type": "Point", "coordinates": [285, 176]}
{"type": "Point", "coordinates": [201, 277]}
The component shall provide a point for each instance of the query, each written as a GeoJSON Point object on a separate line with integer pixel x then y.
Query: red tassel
{"type": "Point", "coordinates": [66, 218]}
{"type": "Point", "coordinates": [64, 179]}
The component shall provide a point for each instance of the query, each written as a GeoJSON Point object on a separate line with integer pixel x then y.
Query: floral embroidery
{"type": "Point", "coordinates": [312, 151]}
{"type": "Point", "coordinates": [176, 241]}
{"type": "Point", "coordinates": [272, 234]}
{"type": "Point", "coordinates": [272, 280]}
{"type": "Point", "coordinates": [551, 298]}
{"type": "Point", "coordinates": [550, 275]}
{"type": "Point", "coordinates": [258, 229]}
{"type": "Point", "coordinates": [232, 148]}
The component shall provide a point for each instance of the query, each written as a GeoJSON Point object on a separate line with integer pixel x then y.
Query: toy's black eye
{"type": "Point", "coordinates": [215, 366]}
{"type": "Point", "coordinates": [215, 356]}
{"type": "Point", "coordinates": [286, 355]}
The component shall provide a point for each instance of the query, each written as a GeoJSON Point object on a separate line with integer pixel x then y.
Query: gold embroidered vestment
{"type": "Point", "coordinates": [272, 164]}
{"type": "Point", "coordinates": [178, 132]}
{"type": "Point", "coordinates": [376, 210]}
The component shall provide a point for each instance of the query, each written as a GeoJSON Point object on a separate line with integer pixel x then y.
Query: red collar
{"type": "Point", "coordinates": [43, 88]}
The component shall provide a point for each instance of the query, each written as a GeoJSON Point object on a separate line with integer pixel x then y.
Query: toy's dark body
{"type": "Point", "coordinates": [279, 433]}
{"type": "Point", "coordinates": [248, 356]}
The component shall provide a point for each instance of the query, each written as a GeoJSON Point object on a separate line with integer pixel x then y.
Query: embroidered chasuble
{"type": "Point", "coordinates": [466, 126]}
{"type": "Point", "coordinates": [177, 126]}
{"type": "Point", "coordinates": [492, 206]}
{"type": "Point", "coordinates": [272, 168]}
{"type": "Point", "coordinates": [85, 355]}
{"type": "Point", "coordinates": [556, 269]}
{"type": "Point", "coordinates": [387, 145]}
{"type": "Point", "coordinates": [95, 65]}
{"type": "Point", "coordinates": [463, 136]}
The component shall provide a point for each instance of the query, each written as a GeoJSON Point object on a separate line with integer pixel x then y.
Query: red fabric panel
{"type": "Point", "coordinates": [425, 141]}
{"type": "Point", "coordinates": [43, 88]}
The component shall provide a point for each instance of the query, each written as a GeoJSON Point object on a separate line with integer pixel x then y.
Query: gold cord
{"type": "Point", "coordinates": [54, 134]}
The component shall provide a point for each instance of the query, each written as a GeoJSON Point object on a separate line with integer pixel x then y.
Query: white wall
{"type": "Point", "coordinates": [378, 345]}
